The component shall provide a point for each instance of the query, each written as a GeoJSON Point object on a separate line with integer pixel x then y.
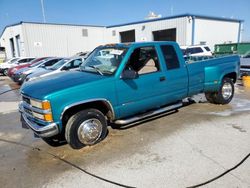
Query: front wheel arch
{"type": "Point", "coordinates": [232, 76]}
{"type": "Point", "coordinates": [103, 106]}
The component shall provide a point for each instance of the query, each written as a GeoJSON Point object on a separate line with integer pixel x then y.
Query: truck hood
{"type": "Point", "coordinates": [45, 86]}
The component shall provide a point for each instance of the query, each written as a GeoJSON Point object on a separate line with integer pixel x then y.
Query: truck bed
{"type": "Point", "coordinates": [205, 72]}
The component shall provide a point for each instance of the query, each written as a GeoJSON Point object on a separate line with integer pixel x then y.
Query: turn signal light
{"type": "Point", "coordinates": [46, 105]}
{"type": "Point", "coordinates": [48, 117]}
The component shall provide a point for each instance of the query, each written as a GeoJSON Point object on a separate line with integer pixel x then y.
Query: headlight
{"type": "Point", "coordinates": [37, 115]}
{"type": "Point", "coordinates": [45, 117]}
{"type": "Point", "coordinates": [36, 104]}
{"type": "Point", "coordinates": [44, 105]}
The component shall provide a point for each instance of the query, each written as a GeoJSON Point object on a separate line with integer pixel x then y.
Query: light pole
{"type": "Point", "coordinates": [44, 20]}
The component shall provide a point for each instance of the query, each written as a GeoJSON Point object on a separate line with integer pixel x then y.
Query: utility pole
{"type": "Point", "coordinates": [44, 19]}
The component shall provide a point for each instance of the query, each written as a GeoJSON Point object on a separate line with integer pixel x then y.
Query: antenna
{"type": "Point", "coordinates": [44, 20]}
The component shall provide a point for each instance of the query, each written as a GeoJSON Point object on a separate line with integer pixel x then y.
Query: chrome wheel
{"type": "Point", "coordinates": [227, 90]}
{"type": "Point", "coordinates": [89, 131]}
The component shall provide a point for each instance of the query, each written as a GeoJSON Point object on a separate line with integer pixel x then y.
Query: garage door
{"type": "Point", "coordinates": [165, 35]}
{"type": "Point", "coordinates": [127, 36]}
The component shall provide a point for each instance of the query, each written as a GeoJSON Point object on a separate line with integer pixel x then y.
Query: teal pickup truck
{"type": "Point", "coordinates": [121, 84]}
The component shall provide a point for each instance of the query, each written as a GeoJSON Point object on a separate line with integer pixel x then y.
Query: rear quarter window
{"type": "Point", "coordinates": [170, 57]}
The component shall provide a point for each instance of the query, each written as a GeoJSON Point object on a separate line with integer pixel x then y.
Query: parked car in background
{"type": "Point", "coordinates": [198, 50]}
{"type": "Point", "coordinates": [22, 60]}
{"type": "Point", "coordinates": [12, 70]}
{"type": "Point", "coordinates": [130, 83]}
{"type": "Point", "coordinates": [82, 54]}
{"type": "Point", "coordinates": [11, 60]}
{"type": "Point", "coordinates": [65, 64]}
{"type": "Point", "coordinates": [21, 74]}
{"type": "Point", "coordinates": [5, 64]}
{"type": "Point", "coordinates": [183, 49]}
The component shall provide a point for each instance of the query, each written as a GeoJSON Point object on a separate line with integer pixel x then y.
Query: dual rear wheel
{"type": "Point", "coordinates": [225, 93]}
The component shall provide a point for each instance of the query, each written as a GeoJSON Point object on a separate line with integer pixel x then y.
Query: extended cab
{"type": "Point", "coordinates": [127, 83]}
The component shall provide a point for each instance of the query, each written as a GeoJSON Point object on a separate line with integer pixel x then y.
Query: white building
{"type": "Point", "coordinates": [46, 39]}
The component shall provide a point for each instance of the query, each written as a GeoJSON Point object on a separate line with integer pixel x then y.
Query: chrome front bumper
{"type": "Point", "coordinates": [42, 131]}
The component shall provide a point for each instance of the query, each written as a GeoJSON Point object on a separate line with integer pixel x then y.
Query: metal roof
{"type": "Point", "coordinates": [131, 23]}
{"type": "Point", "coordinates": [24, 22]}
{"type": "Point", "coordinates": [179, 16]}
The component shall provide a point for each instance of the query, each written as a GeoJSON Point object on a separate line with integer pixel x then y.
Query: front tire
{"type": "Point", "coordinates": [225, 93]}
{"type": "Point", "coordinates": [86, 127]}
{"type": "Point", "coordinates": [5, 72]}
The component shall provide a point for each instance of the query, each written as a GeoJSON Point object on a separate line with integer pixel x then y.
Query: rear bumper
{"type": "Point", "coordinates": [42, 131]}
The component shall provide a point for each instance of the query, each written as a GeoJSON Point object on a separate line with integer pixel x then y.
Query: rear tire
{"type": "Point", "coordinates": [225, 93]}
{"type": "Point", "coordinates": [86, 127]}
{"type": "Point", "coordinates": [210, 97]}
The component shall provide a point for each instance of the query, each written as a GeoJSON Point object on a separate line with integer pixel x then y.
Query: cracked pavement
{"type": "Point", "coordinates": [181, 149]}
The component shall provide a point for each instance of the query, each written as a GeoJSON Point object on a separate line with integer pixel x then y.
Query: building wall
{"type": "Point", "coordinates": [189, 31]}
{"type": "Point", "coordinates": [60, 40]}
{"type": "Point", "coordinates": [37, 39]}
{"type": "Point", "coordinates": [12, 32]}
{"type": "Point", "coordinates": [215, 32]}
{"type": "Point", "coordinates": [146, 33]}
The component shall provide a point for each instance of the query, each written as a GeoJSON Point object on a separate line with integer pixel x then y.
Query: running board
{"type": "Point", "coordinates": [148, 114]}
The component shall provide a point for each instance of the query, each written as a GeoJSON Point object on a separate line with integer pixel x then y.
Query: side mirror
{"type": "Point", "coordinates": [43, 66]}
{"type": "Point", "coordinates": [129, 74]}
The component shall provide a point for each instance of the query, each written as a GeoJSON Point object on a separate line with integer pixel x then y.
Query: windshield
{"type": "Point", "coordinates": [38, 63]}
{"type": "Point", "coordinates": [13, 60]}
{"type": "Point", "coordinates": [104, 60]}
{"type": "Point", "coordinates": [59, 64]}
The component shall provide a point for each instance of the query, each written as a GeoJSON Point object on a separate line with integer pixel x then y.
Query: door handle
{"type": "Point", "coordinates": [163, 78]}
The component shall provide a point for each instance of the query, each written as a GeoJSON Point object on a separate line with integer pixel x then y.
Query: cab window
{"type": "Point", "coordinates": [144, 60]}
{"type": "Point", "coordinates": [170, 57]}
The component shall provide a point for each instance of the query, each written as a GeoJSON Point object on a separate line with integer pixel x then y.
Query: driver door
{"type": "Point", "coordinates": [145, 92]}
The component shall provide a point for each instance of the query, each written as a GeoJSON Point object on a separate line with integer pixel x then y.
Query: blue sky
{"type": "Point", "coordinates": [110, 12]}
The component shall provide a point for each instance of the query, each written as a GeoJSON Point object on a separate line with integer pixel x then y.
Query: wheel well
{"type": "Point", "coordinates": [99, 105]}
{"type": "Point", "coordinates": [232, 76]}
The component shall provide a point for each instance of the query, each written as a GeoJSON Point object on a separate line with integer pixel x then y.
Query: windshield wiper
{"type": "Point", "coordinates": [97, 69]}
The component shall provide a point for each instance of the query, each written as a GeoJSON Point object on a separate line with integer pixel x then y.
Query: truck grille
{"type": "Point", "coordinates": [26, 99]}
{"type": "Point", "coordinates": [27, 111]}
